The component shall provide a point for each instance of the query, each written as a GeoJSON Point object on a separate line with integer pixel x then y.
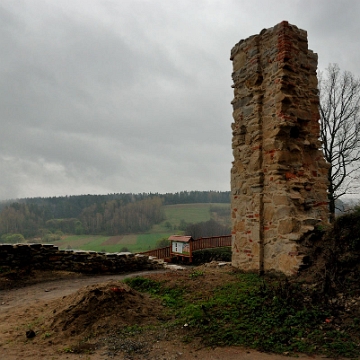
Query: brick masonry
{"type": "Point", "coordinates": [279, 175]}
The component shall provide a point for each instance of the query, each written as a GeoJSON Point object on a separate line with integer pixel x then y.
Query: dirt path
{"type": "Point", "coordinates": [54, 289]}
{"type": "Point", "coordinates": [33, 306]}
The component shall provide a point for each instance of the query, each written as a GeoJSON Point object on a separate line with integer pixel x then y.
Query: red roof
{"type": "Point", "coordinates": [180, 238]}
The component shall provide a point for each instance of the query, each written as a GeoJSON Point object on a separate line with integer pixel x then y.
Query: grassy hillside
{"type": "Point", "coordinates": [188, 213]}
{"type": "Point", "coordinates": [176, 215]}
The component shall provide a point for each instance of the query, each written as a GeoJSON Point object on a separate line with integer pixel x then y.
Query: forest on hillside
{"type": "Point", "coordinates": [112, 214]}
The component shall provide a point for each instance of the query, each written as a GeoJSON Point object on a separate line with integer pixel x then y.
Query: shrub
{"type": "Point", "coordinates": [162, 243]}
{"type": "Point", "coordinates": [12, 238]}
{"type": "Point", "coordinates": [208, 255]}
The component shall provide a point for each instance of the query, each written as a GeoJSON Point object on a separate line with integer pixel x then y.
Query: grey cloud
{"type": "Point", "coordinates": [132, 95]}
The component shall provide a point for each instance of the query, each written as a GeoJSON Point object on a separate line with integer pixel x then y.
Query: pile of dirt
{"type": "Point", "coordinates": [93, 317]}
{"type": "Point", "coordinates": [105, 319]}
{"type": "Point", "coordinates": [102, 307]}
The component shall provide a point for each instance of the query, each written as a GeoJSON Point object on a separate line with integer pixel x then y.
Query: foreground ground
{"type": "Point", "coordinates": [74, 316]}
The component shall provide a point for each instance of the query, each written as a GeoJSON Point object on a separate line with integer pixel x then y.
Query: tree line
{"type": "Point", "coordinates": [112, 214]}
{"type": "Point", "coordinates": [73, 205]}
{"type": "Point", "coordinates": [110, 218]}
{"type": "Point", "coordinates": [207, 229]}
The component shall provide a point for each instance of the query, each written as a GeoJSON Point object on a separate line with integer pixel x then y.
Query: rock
{"type": "Point", "coordinates": [30, 334]}
{"type": "Point", "coordinates": [174, 267]}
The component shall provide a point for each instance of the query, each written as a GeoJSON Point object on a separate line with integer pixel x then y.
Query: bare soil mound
{"type": "Point", "coordinates": [97, 308]}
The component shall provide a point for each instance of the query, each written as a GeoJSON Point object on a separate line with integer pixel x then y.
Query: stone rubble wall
{"type": "Point", "coordinates": [49, 257]}
{"type": "Point", "coordinates": [279, 175]}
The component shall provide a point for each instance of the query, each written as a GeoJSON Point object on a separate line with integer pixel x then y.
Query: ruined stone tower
{"type": "Point", "coordinates": [279, 175]}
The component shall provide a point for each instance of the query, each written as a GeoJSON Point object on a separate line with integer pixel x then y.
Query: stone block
{"type": "Point", "coordinates": [280, 199]}
{"type": "Point", "coordinates": [282, 212]}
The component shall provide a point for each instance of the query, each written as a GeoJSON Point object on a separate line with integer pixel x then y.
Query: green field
{"type": "Point", "coordinates": [143, 242]}
{"type": "Point", "coordinates": [175, 215]}
{"type": "Point", "coordinates": [190, 213]}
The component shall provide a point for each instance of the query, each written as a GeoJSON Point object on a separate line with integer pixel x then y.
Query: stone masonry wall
{"type": "Point", "coordinates": [49, 257]}
{"type": "Point", "coordinates": [279, 175]}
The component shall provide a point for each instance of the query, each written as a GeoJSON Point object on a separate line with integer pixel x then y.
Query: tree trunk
{"type": "Point", "coordinates": [331, 207]}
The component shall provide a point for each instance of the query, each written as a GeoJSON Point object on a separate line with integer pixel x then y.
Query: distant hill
{"type": "Point", "coordinates": [112, 214]}
{"type": "Point", "coordinates": [178, 219]}
{"type": "Point", "coordinates": [72, 205]}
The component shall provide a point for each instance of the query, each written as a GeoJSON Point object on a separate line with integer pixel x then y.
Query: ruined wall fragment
{"type": "Point", "coordinates": [279, 175]}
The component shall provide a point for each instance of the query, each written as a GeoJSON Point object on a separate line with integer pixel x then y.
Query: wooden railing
{"type": "Point", "coordinates": [160, 253]}
{"type": "Point", "coordinates": [211, 242]}
{"type": "Point", "coordinates": [197, 244]}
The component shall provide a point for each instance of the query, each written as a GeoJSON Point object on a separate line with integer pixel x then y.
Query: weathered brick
{"type": "Point", "coordinates": [277, 166]}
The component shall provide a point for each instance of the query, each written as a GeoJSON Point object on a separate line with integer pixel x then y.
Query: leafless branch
{"type": "Point", "coordinates": [340, 129]}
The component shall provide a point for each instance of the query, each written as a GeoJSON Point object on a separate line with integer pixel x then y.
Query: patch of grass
{"type": "Point", "coordinates": [196, 273]}
{"type": "Point", "coordinates": [268, 317]}
{"type": "Point", "coordinates": [132, 330]}
{"type": "Point", "coordinates": [46, 335]}
{"type": "Point", "coordinates": [33, 324]}
{"type": "Point", "coordinates": [170, 297]}
{"type": "Point", "coordinates": [266, 314]}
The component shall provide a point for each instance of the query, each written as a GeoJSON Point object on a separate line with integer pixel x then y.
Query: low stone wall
{"type": "Point", "coordinates": [49, 257]}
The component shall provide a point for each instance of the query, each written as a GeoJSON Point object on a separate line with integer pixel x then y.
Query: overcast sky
{"type": "Point", "coordinates": [108, 96]}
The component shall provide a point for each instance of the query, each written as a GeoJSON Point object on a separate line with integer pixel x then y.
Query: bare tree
{"type": "Point", "coordinates": [340, 130]}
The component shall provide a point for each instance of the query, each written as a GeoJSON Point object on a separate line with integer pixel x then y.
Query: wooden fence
{"type": "Point", "coordinates": [160, 253]}
{"type": "Point", "coordinates": [197, 244]}
{"type": "Point", "coordinates": [211, 242]}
